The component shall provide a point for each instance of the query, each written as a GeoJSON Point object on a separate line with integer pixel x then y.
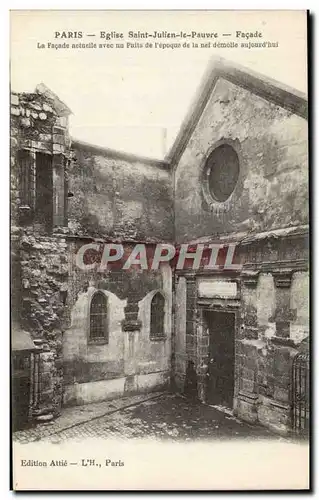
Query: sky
{"type": "Point", "coordinates": [135, 99]}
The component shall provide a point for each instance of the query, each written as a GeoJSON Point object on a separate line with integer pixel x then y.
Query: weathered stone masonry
{"type": "Point", "coordinates": [127, 199]}
{"type": "Point", "coordinates": [266, 216]}
{"type": "Point", "coordinates": [98, 195]}
{"type": "Point", "coordinates": [130, 362]}
{"type": "Point", "coordinates": [93, 195]}
{"type": "Point", "coordinates": [39, 126]}
{"type": "Point", "coordinates": [44, 280]}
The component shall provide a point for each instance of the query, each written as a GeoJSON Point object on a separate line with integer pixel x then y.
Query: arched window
{"type": "Point", "coordinates": [157, 316]}
{"type": "Point", "coordinates": [98, 318]}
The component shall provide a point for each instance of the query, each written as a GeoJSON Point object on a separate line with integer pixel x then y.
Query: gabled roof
{"type": "Point", "coordinates": [267, 88]}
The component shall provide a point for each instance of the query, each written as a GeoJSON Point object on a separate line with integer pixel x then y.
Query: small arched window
{"type": "Point", "coordinates": [157, 316]}
{"type": "Point", "coordinates": [98, 318]}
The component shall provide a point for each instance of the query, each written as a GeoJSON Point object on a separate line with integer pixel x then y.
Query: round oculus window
{"type": "Point", "coordinates": [222, 170]}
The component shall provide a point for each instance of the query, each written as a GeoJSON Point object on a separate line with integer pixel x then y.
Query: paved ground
{"type": "Point", "coordinates": [75, 415]}
{"type": "Point", "coordinates": [161, 416]}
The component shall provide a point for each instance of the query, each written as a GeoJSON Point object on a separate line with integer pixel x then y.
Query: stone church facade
{"type": "Point", "coordinates": [91, 335]}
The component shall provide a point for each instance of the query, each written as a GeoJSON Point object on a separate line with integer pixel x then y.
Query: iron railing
{"type": "Point", "coordinates": [300, 389]}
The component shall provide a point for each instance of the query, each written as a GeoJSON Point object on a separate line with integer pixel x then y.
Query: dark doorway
{"type": "Point", "coordinates": [44, 189]}
{"type": "Point", "coordinates": [221, 360]}
{"type": "Point", "coordinates": [20, 390]}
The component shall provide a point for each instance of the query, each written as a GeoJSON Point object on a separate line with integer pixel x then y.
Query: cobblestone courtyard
{"type": "Point", "coordinates": [160, 416]}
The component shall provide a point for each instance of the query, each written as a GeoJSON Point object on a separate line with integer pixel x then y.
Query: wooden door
{"type": "Point", "coordinates": [221, 361]}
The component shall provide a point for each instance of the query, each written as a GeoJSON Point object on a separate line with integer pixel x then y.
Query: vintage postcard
{"type": "Point", "coordinates": [159, 250]}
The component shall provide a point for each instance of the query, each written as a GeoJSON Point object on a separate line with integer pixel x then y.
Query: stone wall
{"type": "Point", "coordinates": [43, 272]}
{"type": "Point", "coordinates": [123, 198]}
{"type": "Point", "coordinates": [100, 195]}
{"type": "Point", "coordinates": [180, 354]}
{"type": "Point", "coordinates": [119, 196]}
{"type": "Point", "coordinates": [273, 181]}
{"type": "Point", "coordinates": [272, 321]}
{"type": "Point", "coordinates": [39, 125]}
{"type": "Point", "coordinates": [130, 361]}
{"type": "Point", "coordinates": [266, 216]}
{"type": "Point", "coordinates": [92, 193]}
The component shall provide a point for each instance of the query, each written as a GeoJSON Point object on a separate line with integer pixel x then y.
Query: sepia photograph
{"type": "Point", "coordinates": [159, 250]}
